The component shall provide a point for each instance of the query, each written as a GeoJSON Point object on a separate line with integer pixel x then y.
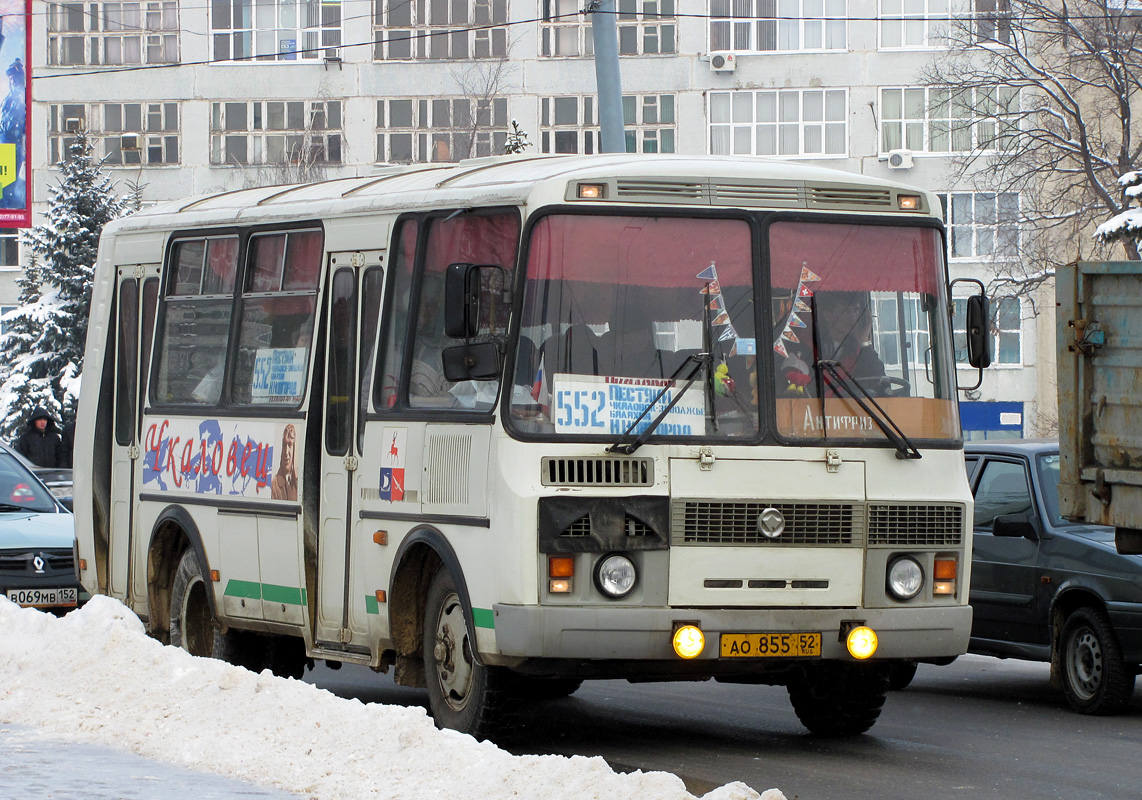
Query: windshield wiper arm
{"type": "Point", "coordinates": [837, 375]}
{"type": "Point", "coordinates": [700, 360]}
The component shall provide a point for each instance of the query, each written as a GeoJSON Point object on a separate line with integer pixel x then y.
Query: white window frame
{"type": "Point", "coordinates": [441, 30]}
{"type": "Point", "coordinates": [914, 24]}
{"type": "Point", "coordinates": [991, 22]}
{"type": "Point", "coordinates": [645, 27]}
{"type": "Point", "coordinates": [649, 122]}
{"type": "Point", "coordinates": [117, 33]}
{"type": "Point", "coordinates": [973, 219]}
{"type": "Point", "coordinates": [821, 114]}
{"type": "Point", "coordinates": [10, 242]}
{"type": "Point", "coordinates": [778, 26]}
{"type": "Point", "coordinates": [270, 129]}
{"type": "Point", "coordinates": [440, 128]}
{"type": "Point", "coordinates": [263, 32]}
{"type": "Point", "coordinates": [925, 118]}
{"type": "Point", "coordinates": [155, 126]}
{"type": "Point", "coordinates": [5, 325]}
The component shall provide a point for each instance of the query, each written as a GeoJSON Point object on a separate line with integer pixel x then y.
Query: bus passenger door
{"type": "Point", "coordinates": [134, 324]}
{"type": "Point", "coordinates": [339, 452]}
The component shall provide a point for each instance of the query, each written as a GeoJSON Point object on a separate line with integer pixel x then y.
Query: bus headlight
{"type": "Point", "coordinates": [615, 575]}
{"type": "Point", "coordinates": [905, 578]}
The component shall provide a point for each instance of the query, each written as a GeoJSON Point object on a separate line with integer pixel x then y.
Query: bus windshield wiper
{"type": "Point", "coordinates": [700, 360]}
{"type": "Point", "coordinates": [838, 377]}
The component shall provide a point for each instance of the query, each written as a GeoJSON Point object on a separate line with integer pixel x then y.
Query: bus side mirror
{"type": "Point", "coordinates": [471, 362]}
{"type": "Point", "coordinates": [978, 335]}
{"type": "Point", "coordinates": [461, 301]}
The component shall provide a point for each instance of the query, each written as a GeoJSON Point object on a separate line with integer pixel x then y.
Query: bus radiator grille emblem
{"type": "Point", "coordinates": [771, 523]}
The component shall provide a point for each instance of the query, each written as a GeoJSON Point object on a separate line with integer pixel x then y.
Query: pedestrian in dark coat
{"type": "Point", "coordinates": [41, 443]}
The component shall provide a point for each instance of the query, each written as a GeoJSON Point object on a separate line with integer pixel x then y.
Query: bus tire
{"type": "Point", "coordinates": [192, 626]}
{"type": "Point", "coordinates": [1095, 678]}
{"type": "Point", "coordinates": [536, 690]}
{"type": "Point", "coordinates": [900, 674]}
{"type": "Point", "coordinates": [463, 694]}
{"type": "Point", "coordinates": [834, 698]}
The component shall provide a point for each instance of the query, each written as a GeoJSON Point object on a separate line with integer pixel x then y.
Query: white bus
{"type": "Point", "coordinates": [513, 423]}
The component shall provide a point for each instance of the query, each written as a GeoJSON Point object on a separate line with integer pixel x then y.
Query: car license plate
{"type": "Point", "coordinates": [770, 645]}
{"type": "Point", "coordinates": [43, 598]}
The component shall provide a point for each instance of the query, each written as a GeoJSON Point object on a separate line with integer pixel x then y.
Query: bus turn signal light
{"type": "Point", "coordinates": [908, 202]}
{"type": "Point", "coordinates": [560, 567]}
{"type": "Point", "coordinates": [591, 191]}
{"type": "Point", "coordinates": [944, 573]}
{"type": "Point", "coordinates": [689, 641]}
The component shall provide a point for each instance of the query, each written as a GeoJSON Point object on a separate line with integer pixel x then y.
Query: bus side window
{"type": "Point", "coordinates": [389, 367]}
{"type": "Point", "coordinates": [475, 238]}
{"type": "Point", "coordinates": [127, 354]}
{"type": "Point", "coordinates": [191, 346]}
{"type": "Point", "coordinates": [275, 329]}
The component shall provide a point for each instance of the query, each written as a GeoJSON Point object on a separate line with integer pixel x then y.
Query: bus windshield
{"type": "Point", "coordinates": [617, 310]}
{"type": "Point", "coordinates": [859, 312]}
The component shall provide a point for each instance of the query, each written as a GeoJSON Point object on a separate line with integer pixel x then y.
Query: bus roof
{"type": "Point", "coordinates": [537, 180]}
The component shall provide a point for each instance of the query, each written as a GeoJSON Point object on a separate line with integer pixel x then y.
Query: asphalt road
{"type": "Point", "coordinates": [980, 728]}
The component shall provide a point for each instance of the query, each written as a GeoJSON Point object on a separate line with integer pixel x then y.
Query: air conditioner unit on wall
{"type": "Point", "coordinates": [900, 159]}
{"type": "Point", "coordinates": [129, 141]}
{"type": "Point", "coordinates": [722, 62]}
{"type": "Point", "coordinates": [73, 124]}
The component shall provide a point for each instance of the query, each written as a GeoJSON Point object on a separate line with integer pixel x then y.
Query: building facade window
{"type": "Point", "coordinates": [9, 249]}
{"type": "Point", "coordinates": [5, 326]}
{"type": "Point", "coordinates": [942, 120]}
{"type": "Point", "coordinates": [645, 27]}
{"type": "Point", "coordinates": [440, 129]}
{"type": "Point", "coordinates": [982, 225]}
{"type": "Point", "coordinates": [274, 30]}
{"type": "Point", "coordinates": [992, 21]}
{"type": "Point", "coordinates": [892, 313]}
{"type": "Point", "coordinates": [112, 34]}
{"type": "Point", "coordinates": [262, 132]}
{"type": "Point", "coordinates": [570, 124]}
{"type": "Point", "coordinates": [124, 134]}
{"type": "Point", "coordinates": [405, 30]}
{"type": "Point", "coordinates": [771, 26]}
{"type": "Point", "coordinates": [909, 24]}
{"type": "Point", "coordinates": [791, 122]}
{"type": "Point", "coordinates": [1006, 331]}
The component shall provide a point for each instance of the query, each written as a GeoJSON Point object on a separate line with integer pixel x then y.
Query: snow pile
{"type": "Point", "coordinates": [95, 676]}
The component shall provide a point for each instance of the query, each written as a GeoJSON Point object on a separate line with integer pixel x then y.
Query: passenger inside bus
{"type": "Point", "coordinates": [845, 337]}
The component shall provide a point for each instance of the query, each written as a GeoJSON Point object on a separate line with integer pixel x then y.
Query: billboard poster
{"type": "Point", "coordinates": [15, 175]}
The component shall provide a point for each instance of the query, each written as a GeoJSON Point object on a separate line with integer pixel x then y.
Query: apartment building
{"type": "Point", "coordinates": [194, 96]}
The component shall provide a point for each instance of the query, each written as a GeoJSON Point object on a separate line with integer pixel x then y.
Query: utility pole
{"type": "Point", "coordinates": [604, 29]}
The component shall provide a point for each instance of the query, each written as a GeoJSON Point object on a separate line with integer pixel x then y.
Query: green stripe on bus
{"type": "Point", "coordinates": [244, 589]}
{"type": "Point", "coordinates": [272, 593]}
{"type": "Point", "coordinates": [289, 595]}
{"type": "Point", "coordinates": [371, 605]}
{"type": "Point", "coordinates": [484, 618]}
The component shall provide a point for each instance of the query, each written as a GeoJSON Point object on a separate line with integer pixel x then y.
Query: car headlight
{"type": "Point", "coordinates": [905, 578]}
{"type": "Point", "coordinates": [615, 575]}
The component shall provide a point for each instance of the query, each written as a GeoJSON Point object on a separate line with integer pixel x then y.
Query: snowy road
{"type": "Point", "coordinates": [35, 767]}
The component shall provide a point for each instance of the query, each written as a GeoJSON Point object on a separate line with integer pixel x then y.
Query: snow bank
{"type": "Point", "coordinates": [95, 676]}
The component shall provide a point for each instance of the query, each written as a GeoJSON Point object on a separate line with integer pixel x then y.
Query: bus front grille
{"type": "Point", "coordinates": [914, 525]}
{"type": "Point", "coordinates": [596, 471]}
{"type": "Point", "coordinates": [806, 524]}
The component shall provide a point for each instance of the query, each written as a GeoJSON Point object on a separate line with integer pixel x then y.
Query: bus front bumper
{"type": "Point", "coordinates": [625, 633]}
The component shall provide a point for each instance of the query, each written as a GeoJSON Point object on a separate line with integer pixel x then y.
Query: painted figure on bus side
{"type": "Point", "coordinates": [284, 486]}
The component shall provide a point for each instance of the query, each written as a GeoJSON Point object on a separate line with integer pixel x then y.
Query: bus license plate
{"type": "Point", "coordinates": [43, 598]}
{"type": "Point", "coordinates": [768, 645]}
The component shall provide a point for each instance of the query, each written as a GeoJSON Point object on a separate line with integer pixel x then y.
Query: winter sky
{"type": "Point", "coordinates": [94, 676]}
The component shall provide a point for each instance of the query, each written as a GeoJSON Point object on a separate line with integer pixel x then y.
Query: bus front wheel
{"type": "Point", "coordinates": [834, 698]}
{"type": "Point", "coordinates": [192, 626]}
{"type": "Point", "coordinates": [463, 694]}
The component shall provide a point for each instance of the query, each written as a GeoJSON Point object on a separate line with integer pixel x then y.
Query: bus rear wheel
{"type": "Point", "coordinates": [463, 694]}
{"type": "Point", "coordinates": [833, 698]}
{"type": "Point", "coordinates": [192, 626]}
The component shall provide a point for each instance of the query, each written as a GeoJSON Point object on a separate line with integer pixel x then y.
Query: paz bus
{"type": "Point", "coordinates": [509, 424]}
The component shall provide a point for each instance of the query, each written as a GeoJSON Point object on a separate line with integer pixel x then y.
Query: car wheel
{"type": "Point", "coordinates": [834, 698]}
{"type": "Point", "coordinates": [192, 626]}
{"type": "Point", "coordinates": [1095, 678]}
{"type": "Point", "coordinates": [900, 674]}
{"type": "Point", "coordinates": [463, 694]}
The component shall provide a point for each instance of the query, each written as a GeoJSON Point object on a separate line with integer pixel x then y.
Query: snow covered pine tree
{"type": "Point", "coordinates": [43, 346]}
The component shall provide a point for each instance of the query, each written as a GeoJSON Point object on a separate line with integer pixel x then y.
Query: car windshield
{"type": "Point", "coordinates": [1047, 466]}
{"type": "Point", "coordinates": [860, 309]}
{"type": "Point", "coordinates": [20, 489]}
{"type": "Point", "coordinates": [619, 313]}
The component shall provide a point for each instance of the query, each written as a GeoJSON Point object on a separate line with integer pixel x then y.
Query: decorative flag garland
{"type": "Point", "coordinates": [799, 307]}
